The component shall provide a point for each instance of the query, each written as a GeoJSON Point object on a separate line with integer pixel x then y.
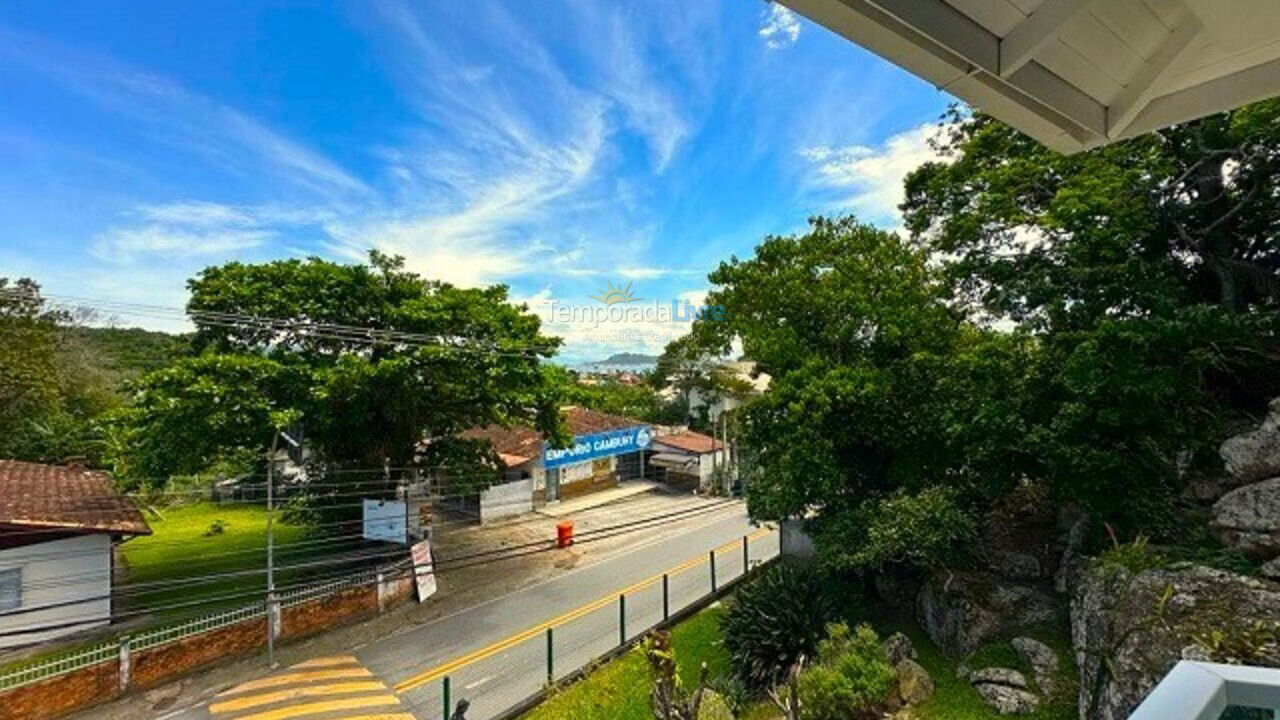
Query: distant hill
{"type": "Point", "coordinates": [628, 358]}
{"type": "Point", "coordinates": [127, 353]}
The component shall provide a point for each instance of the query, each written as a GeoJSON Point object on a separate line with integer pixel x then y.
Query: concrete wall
{"type": "Point", "coordinates": [506, 500]}
{"type": "Point", "coordinates": [59, 571]}
{"type": "Point", "coordinates": [794, 541]}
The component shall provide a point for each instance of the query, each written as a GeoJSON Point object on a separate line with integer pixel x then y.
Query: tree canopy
{"type": "Point", "coordinates": [291, 339]}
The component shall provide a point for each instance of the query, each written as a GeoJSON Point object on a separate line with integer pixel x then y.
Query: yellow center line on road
{"type": "Point", "coordinates": [243, 703]}
{"type": "Point", "coordinates": [316, 708]}
{"type": "Point", "coordinates": [497, 647]}
{"type": "Point", "coordinates": [297, 677]}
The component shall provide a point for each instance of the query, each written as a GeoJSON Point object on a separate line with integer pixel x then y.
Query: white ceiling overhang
{"type": "Point", "coordinates": [1075, 74]}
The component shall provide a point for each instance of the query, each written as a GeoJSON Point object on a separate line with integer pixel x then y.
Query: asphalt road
{"type": "Point", "coordinates": [494, 654]}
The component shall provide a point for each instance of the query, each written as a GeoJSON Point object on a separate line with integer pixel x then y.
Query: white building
{"type": "Point", "coordinates": [58, 528]}
{"type": "Point", "coordinates": [687, 458]}
{"type": "Point", "coordinates": [742, 373]}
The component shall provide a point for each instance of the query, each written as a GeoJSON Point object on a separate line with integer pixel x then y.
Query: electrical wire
{"type": "Point", "coordinates": [484, 557]}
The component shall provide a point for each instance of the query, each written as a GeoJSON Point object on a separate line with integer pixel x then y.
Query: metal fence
{"type": "Point", "coordinates": [512, 675]}
{"type": "Point", "coordinates": [78, 659]}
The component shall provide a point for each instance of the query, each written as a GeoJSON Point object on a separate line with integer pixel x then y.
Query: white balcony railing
{"type": "Point", "coordinates": [1201, 691]}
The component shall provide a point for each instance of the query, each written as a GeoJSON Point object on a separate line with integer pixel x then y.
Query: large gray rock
{"type": "Point", "coordinates": [914, 683]}
{"type": "Point", "coordinates": [1042, 659]}
{"type": "Point", "coordinates": [1129, 630]}
{"type": "Point", "coordinates": [1248, 518]}
{"type": "Point", "coordinates": [897, 647]}
{"type": "Point", "coordinates": [962, 611]}
{"type": "Point", "coordinates": [1007, 700]}
{"type": "Point", "coordinates": [998, 676]}
{"type": "Point", "coordinates": [1271, 569]}
{"type": "Point", "coordinates": [1255, 455]}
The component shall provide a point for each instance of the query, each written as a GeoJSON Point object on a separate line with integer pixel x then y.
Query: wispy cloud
{"type": "Point", "coordinates": [869, 179]}
{"type": "Point", "coordinates": [781, 27]}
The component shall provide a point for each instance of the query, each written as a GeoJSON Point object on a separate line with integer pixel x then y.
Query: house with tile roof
{"type": "Point", "coordinates": [686, 458]}
{"type": "Point", "coordinates": [59, 526]}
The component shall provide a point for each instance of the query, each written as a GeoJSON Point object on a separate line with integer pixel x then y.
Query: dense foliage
{"type": "Point", "coordinates": [1147, 271]}
{"type": "Point", "coordinates": [463, 357]}
{"type": "Point", "coordinates": [1093, 322]}
{"type": "Point", "coordinates": [851, 680]}
{"type": "Point", "coordinates": [54, 386]}
{"type": "Point", "coordinates": [775, 619]}
{"type": "Point", "coordinates": [879, 385]}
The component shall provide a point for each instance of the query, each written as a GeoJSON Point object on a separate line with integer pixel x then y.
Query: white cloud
{"type": "Point", "coordinates": [869, 179]}
{"type": "Point", "coordinates": [781, 27]}
{"type": "Point", "coordinates": [586, 339]}
{"type": "Point", "coordinates": [122, 244]}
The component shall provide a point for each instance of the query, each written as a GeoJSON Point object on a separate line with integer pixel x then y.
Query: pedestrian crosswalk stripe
{"type": "Point", "coordinates": [249, 701]}
{"type": "Point", "coordinates": [299, 677]}
{"type": "Point", "coordinates": [327, 662]}
{"type": "Point", "coordinates": [316, 708]}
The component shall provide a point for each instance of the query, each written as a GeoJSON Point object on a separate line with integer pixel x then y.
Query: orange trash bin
{"type": "Point", "coordinates": [564, 533]}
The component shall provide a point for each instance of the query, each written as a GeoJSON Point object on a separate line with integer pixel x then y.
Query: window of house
{"type": "Point", "coordinates": [10, 588]}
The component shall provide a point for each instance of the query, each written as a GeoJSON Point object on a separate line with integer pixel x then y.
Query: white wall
{"type": "Point", "coordinates": [59, 571]}
{"type": "Point", "coordinates": [506, 500]}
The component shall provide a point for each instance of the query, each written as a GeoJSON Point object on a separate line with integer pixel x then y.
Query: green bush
{"type": "Point", "coordinates": [774, 619]}
{"type": "Point", "coordinates": [852, 679]}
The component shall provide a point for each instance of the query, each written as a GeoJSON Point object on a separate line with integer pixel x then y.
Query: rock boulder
{"type": "Point", "coordinates": [1004, 690]}
{"type": "Point", "coordinates": [914, 683]}
{"type": "Point", "coordinates": [1042, 659]}
{"type": "Point", "coordinates": [1254, 455]}
{"type": "Point", "coordinates": [962, 611]}
{"type": "Point", "coordinates": [1129, 630]}
{"type": "Point", "coordinates": [1248, 518]}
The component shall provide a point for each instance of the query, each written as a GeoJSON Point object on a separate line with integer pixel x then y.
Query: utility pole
{"type": "Point", "coordinates": [271, 551]}
{"type": "Point", "coordinates": [272, 607]}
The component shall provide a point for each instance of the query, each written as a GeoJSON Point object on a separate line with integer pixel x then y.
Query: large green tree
{"type": "Point", "coordinates": [371, 358]}
{"type": "Point", "coordinates": [1147, 271]}
{"type": "Point", "coordinates": [881, 390]}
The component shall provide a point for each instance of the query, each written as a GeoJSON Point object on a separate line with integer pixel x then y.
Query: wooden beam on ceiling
{"type": "Point", "coordinates": [1145, 84]}
{"type": "Point", "coordinates": [1039, 29]}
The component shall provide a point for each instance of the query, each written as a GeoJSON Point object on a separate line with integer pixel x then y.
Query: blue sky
{"type": "Point", "coordinates": [556, 146]}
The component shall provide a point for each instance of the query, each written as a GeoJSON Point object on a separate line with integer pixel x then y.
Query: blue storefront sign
{"type": "Point", "coordinates": [598, 445]}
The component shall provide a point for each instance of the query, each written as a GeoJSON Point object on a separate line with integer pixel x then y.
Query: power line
{"type": "Point", "coordinates": [460, 561]}
{"type": "Point", "coordinates": [324, 331]}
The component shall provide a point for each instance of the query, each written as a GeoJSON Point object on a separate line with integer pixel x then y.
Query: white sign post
{"type": "Point", "coordinates": [424, 569]}
{"type": "Point", "coordinates": [385, 520]}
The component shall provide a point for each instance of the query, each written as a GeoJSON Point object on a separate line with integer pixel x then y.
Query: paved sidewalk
{"type": "Point", "coordinates": [627, 489]}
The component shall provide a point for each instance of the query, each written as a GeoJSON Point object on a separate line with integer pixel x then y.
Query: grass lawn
{"type": "Point", "coordinates": [619, 690]}
{"type": "Point", "coordinates": [955, 699]}
{"type": "Point", "coordinates": [182, 546]}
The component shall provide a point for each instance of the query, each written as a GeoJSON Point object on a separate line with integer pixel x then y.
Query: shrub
{"type": "Point", "coordinates": [851, 681]}
{"type": "Point", "coordinates": [774, 619]}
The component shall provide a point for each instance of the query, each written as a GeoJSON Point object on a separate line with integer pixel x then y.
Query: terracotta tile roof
{"type": "Point", "coordinates": [54, 496]}
{"type": "Point", "coordinates": [689, 441]}
{"type": "Point", "coordinates": [514, 445]}
{"type": "Point", "coordinates": [519, 444]}
{"type": "Point", "coordinates": [582, 421]}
